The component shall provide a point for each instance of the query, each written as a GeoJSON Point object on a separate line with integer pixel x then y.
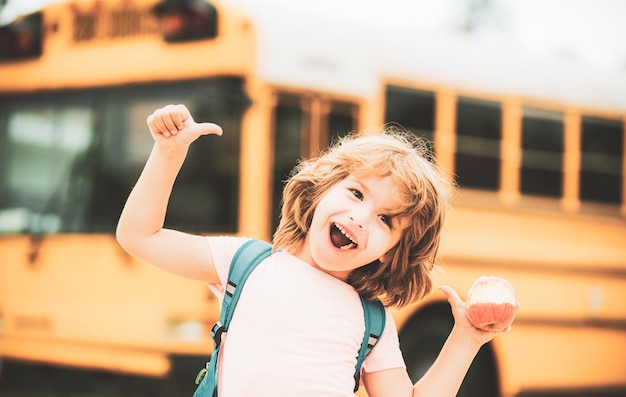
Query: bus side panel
{"type": "Point", "coordinates": [79, 300]}
{"type": "Point", "coordinates": [550, 356]}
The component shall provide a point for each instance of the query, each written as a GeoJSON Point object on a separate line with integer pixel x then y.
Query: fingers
{"type": "Point", "coordinates": [169, 120]}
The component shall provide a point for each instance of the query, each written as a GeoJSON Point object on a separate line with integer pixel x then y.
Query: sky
{"type": "Point", "coordinates": [586, 31]}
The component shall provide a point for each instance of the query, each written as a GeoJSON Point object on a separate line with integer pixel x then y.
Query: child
{"type": "Point", "coordinates": [365, 217]}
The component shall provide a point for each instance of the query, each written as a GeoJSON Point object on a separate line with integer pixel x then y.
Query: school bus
{"type": "Point", "coordinates": [536, 148]}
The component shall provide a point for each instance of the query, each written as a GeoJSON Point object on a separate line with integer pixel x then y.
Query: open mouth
{"type": "Point", "coordinates": [340, 238]}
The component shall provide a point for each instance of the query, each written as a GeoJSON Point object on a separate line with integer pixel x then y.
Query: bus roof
{"type": "Point", "coordinates": [326, 52]}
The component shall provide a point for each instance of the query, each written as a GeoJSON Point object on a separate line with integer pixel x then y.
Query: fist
{"type": "Point", "coordinates": [174, 120]}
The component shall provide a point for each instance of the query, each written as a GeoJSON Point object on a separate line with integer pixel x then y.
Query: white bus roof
{"type": "Point", "coordinates": [330, 53]}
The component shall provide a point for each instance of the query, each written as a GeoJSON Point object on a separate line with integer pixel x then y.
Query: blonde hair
{"type": "Point", "coordinates": [405, 275]}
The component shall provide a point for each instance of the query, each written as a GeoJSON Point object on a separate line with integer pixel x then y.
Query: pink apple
{"type": "Point", "coordinates": [491, 304]}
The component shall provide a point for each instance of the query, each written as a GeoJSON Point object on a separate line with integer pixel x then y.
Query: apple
{"type": "Point", "coordinates": [491, 304]}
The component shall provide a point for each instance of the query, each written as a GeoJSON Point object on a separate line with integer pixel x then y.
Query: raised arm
{"type": "Point", "coordinates": [140, 228]}
{"type": "Point", "coordinates": [445, 376]}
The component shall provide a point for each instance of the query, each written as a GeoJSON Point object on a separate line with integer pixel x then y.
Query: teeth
{"type": "Point", "coordinates": [347, 246]}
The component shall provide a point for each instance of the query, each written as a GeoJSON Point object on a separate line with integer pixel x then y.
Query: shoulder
{"type": "Point", "coordinates": [223, 249]}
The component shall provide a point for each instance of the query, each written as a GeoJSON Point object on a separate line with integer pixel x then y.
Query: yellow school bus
{"type": "Point", "coordinates": [537, 151]}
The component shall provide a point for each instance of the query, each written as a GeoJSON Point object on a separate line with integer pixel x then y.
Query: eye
{"type": "Point", "coordinates": [386, 219]}
{"type": "Point", "coordinates": [357, 193]}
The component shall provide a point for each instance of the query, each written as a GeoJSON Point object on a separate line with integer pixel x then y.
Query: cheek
{"type": "Point", "coordinates": [392, 237]}
{"type": "Point", "coordinates": [320, 208]}
{"type": "Point", "coordinates": [315, 220]}
{"type": "Point", "coordinates": [383, 241]}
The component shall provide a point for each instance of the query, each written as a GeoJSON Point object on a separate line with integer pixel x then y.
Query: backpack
{"type": "Point", "coordinates": [247, 257]}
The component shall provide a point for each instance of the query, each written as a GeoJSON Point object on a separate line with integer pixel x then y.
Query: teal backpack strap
{"type": "Point", "coordinates": [247, 257]}
{"type": "Point", "coordinates": [375, 318]}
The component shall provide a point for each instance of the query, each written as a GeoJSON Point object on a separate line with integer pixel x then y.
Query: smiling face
{"type": "Point", "coordinates": [335, 206]}
{"type": "Point", "coordinates": [352, 226]}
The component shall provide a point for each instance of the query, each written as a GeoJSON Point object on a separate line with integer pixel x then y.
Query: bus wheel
{"type": "Point", "coordinates": [421, 340]}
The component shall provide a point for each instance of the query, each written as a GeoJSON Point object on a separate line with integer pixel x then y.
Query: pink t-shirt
{"type": "Point", "coordinates": [296, 331]}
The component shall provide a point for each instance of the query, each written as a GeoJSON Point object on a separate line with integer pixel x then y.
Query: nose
{"type": "Point", "coordinates": [359, 219]}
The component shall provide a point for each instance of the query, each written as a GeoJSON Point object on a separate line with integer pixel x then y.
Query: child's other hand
{"type": "Point", "coordinates": [462, 323]}
{"type": "Point", "coordinates": [172, 127]}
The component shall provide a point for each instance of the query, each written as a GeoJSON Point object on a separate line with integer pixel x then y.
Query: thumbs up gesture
{"type": "Point", "coordinates": [173, 127]}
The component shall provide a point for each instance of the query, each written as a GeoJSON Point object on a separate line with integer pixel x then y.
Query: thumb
{"type": "Point", "coordinates": [207, 129]}
{"type": "Point", "coordinates": [452, 296]}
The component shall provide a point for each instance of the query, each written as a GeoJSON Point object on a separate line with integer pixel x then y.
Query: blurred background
{"type": "Point", "coordinates": [522, 104]}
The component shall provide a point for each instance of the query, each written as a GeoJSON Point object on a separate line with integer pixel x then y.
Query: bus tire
{"type": "Point", "coordinates": [421, 340]}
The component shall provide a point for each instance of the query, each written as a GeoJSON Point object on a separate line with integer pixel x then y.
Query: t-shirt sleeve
{"type": "Point", "coordinates": [223, 249]}
{"type": "Point", "coordinates": [386, 354]}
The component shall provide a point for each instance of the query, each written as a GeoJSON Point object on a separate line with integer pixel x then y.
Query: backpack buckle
{"type": "Point", "coordinates": [216, 332]}
{"type": "Point", "coordinates": [202, 374]}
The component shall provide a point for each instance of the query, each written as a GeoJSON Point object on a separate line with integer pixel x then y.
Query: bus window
{"type": "Point", "coordinates": [601, 176]}
{"type": "Point", "coordinates": [291, 132]}
{"type": "Point", "coordinates": [43, 145]}
{"type": "Point", "coordinates": [477, 159]}
{"type": "Point", "coordinates": [341, 120]}
{"type": "Point", "coordinates": [70, 159]}
{"type": "Point", "coordinates": [412, 109]}
{"type": "Point", "coordinates": [542, 153]}
{"type": "Point", "coordinates": [186, 20]}
{"type": "Point", "coordinates": [21, 39]}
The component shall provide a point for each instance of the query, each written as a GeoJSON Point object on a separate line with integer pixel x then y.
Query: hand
{"type": "Point", "coordinates": [462, 323]}
{"type": "Point", "coordinates": [172, 127]}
